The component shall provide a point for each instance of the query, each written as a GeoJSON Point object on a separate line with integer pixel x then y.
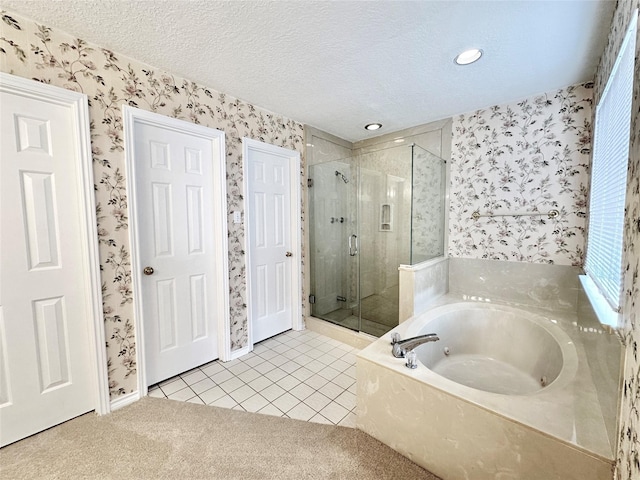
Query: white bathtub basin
{"type": "Point", "coordinates": [494, 348]}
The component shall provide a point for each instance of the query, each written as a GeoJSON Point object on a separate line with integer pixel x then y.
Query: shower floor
{"type": "Point", "coordinates": [379, 314]}
{"type": "Point", "coordinates": [382, 308]}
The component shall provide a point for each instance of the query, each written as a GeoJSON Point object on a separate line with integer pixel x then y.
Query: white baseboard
{"type": "Point", "coordinates": [240, 352]}
{"type": "Point", "coordinates": [125, 400]}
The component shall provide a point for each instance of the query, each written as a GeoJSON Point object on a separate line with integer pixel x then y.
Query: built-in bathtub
{"type": "Point", "coordinates": [496, 349]}
{"type": "Point", "coordinates": [506, 393]}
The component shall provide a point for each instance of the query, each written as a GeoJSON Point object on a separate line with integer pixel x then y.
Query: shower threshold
{"type": "Point", "coordinates": [344, 317]}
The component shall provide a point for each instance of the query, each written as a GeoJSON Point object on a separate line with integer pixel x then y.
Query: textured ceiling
{"type": "Point", "coordinates": [338, 65]}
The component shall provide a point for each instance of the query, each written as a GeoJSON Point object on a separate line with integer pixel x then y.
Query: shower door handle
{"type": "Point", "coordinates": [353, 245]}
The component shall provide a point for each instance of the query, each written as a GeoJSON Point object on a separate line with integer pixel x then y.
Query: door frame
{"type": "Point", "coordinates": [78, 103]}
{"type": "Point", "coordinates": [294, 161]}
{"type": "Point", "coordinates": [131, 116]}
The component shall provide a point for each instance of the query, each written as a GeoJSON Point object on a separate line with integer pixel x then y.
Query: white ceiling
{"type": "Point", "coordinates": [338, 65]}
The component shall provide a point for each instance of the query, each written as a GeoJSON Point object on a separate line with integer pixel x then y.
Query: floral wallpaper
{"type": "Point", "coordinates": [628, 457]}
{"type": "Point", "coordinates": [110, 80]}
{"type": "Point", "coordinates": [529, 156]}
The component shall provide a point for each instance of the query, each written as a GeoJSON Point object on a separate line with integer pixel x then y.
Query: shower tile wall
{"type": "Point", "coordinates": [385, 181]}
{"type": "Point", "coordinates": [434, 137]}
{"type": "Point", "coordinates": [323, 147]}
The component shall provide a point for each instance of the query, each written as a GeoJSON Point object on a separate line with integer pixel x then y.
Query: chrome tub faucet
{"type": "Point", "coordinates": [402, 348]}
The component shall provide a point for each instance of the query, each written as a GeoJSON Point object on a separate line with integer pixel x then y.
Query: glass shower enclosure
{"type": "Point", "coordinates": [369, 214]}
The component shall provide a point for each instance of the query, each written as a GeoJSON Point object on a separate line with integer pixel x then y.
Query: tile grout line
{"type": "Point", "coordinates": [311, 349]}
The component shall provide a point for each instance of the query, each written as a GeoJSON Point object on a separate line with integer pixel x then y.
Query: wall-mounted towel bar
{"type": "Point", "coordinates": [551, 214]}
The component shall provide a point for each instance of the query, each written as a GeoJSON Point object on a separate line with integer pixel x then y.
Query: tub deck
{"type": "Point", "coordinates": [459, 432]}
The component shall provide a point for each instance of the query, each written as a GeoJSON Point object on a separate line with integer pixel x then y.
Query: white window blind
{"type": "Point", "coordinates": [609, 174]}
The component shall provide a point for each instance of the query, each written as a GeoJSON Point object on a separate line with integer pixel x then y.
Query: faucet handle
{"type": "Point", "coordinates": [395, 338]}
{"type": "Point", "coordinates": [412, 359]}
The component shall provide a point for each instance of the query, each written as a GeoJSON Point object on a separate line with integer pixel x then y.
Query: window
{"type": "Point", "coordinates": [603, 265]}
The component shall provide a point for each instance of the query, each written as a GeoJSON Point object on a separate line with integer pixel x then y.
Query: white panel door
{"type": "Point", "coordinates": [46, 366]}
{"type": "Point", "coordinates": [271, 243]}
{"type": "Point", "coordinates": [177, 249]}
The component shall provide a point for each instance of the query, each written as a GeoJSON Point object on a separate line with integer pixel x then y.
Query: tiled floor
{"type": "Point", "coordinates": [300, 375]}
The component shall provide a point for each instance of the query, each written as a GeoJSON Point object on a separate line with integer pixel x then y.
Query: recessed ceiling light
{"type": "Point", "coordinates": [468, 56]}
{"type": "Point", "coordinates": [373, 126]}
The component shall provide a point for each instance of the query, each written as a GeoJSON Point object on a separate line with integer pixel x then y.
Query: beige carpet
{"type": "Point", "coordinates": [165, 439]}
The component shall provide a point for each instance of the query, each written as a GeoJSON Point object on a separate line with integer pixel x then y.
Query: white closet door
{"type": "Point", "coordinates": [181, 264]}
{"type": "Point", "coordinates": [273, 247]}
{"type": "Point", "coordinates": [46, 369]}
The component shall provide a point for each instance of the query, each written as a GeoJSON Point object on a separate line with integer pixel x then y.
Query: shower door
{"type": "Point", "coordinates": [360, 232]}
{"type": "Point", "coordinates": [334, 242]}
